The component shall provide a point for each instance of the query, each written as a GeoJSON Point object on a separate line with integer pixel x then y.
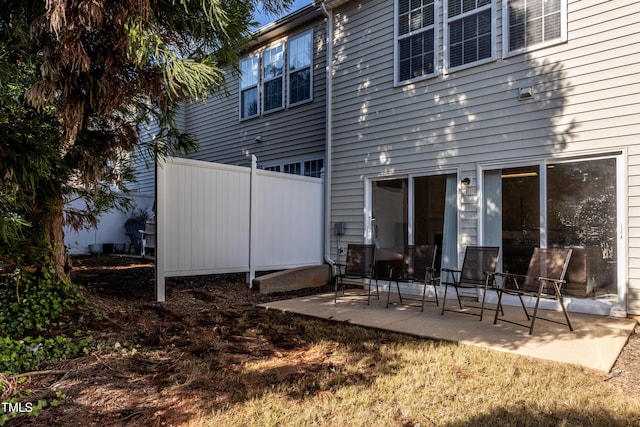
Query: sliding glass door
{"type": "Point", "coordinates": [557, 204]}
{"type": "Point", "coordinates": [414, 211]}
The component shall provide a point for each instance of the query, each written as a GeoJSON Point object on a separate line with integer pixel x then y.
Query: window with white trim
{"type": "Point", "coordinates": [415, 39]}
{"type": "Point", "coordinates": [273, 78]}
{"type": "Point", "coordinates": [294, 168]}
{"type": "Point", "coordinates": [283, 67]}
{"type": "Point", "coordinates": [249, 87]}
{"type": "Point", "coordinates": [470, 32]}
{"type": "Point", "coordinates": [311, 168]}
{"type": "Point", "coordinates": [300, 54]}
{"type": "Point", "coordinates": [533, 23]}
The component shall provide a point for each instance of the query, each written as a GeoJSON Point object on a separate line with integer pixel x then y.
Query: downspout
{"type": "Point", "coordinates": [328, 13]}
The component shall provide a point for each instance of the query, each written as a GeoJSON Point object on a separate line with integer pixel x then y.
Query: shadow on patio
{"type": "Point", "coordinates": [595, 343]}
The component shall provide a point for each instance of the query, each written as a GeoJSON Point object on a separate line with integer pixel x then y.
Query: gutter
{"type": "Point", "coordinates": [328, 13]}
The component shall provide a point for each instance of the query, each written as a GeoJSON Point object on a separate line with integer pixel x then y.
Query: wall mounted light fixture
{"type": "Point", "coordinates": [258, 139]}
{"type": "Point", "coordinates": [465, 181]}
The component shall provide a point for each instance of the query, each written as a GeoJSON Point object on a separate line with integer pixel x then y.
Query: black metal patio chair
{"type": "Point", "coordinates": [477, 272]}
{"type": "Point", "coordinates": [360, 267]}
{"type": "Point", "coordinates": [418, 266]}
{"type": "Point", "coordinates": [544, 280]}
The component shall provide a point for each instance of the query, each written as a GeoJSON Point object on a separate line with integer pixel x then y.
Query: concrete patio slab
{"type": "Point", "coordinates": [595, 342]}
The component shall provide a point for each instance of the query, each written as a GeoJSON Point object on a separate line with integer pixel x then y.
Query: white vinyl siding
{"type": "Point", "coordinates": [585, 101]}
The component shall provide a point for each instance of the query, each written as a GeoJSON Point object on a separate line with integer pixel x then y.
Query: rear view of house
{"type": "Point", "coordinates": [512, 123]}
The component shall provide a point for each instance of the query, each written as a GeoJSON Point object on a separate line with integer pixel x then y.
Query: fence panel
{"type": "Point", "coordinates": [288, 220]}
{"type": "Point", "coordinates": [213, 218]}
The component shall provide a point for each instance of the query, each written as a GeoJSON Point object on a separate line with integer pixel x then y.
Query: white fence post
{"type": "Point", "coordinates": [252, 221]}
{"type": "Point", "coordinates": [161, 210]}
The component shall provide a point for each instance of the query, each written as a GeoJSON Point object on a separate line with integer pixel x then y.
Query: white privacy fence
{"type": "Point", "coordinates": [213, 218]}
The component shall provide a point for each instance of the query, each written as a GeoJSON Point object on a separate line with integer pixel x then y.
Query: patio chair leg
{"type": "Point", "coordinates": [444, 298]}
{"type": "Point", "coordinates": [435, 291]}
{"type": "Point", "coordinates": [458, 296]}
{"type": "Point", "coordinates": [564, 310]}
{"type": "Point", "coordinates": [524, 307]}
{"type": "Point", "coordinates": [484, 297]}
{"type": "Point", "coordinates": [495, 318]}
{"type": "Point", "coordinates": [389, 293]}
{"type": "Point", "coordinates": [535, 314]}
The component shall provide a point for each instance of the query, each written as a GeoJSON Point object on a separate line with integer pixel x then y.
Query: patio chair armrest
{"type": "Point", "coordinates": [452, 270]}
{"type": "Point", "coordinates": [509, 275]}
{"type": "Point", "coordinates": [548, 279]}
{"type": "Point", "coordinates": [432, 275]}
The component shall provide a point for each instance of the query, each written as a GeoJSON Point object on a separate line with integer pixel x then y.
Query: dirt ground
{"type": "Point", "coordinates": [169, 362]}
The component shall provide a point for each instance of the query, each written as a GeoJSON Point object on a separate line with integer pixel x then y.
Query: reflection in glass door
{"type": "Point", "coordinates": [415, 211]}
{"type": "Point", "coordinates": [578, 209]}
{"type": "Point", "coordinates": [390, 214]}
{"type": "Point", "coordinates": [582, 214]}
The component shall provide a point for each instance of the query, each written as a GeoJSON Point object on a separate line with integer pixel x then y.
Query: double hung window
{"type": "Point", "coordinates": [272, 78]}
{"type": "Point", "coordinates": [416, 39]}
{"type": "Point", "coordinates": [282, 68]}
{"type": "Point", "coordinates": [470, 31]}
{"type": "Point", "coordinates": [249, 87]}
{"type": "Point", "coordinates": [533, 23]}
{"type": "Point", "coordinates": [300, 68]}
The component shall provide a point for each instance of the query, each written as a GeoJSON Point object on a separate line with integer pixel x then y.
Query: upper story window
{"type": "Point", "coordinates": [470, 32]}
{"type": "Point", "coordinates": [415, 39]}
{"type": "Point", "coordinates": [272, 78]}
{"type": "Point", "coordinates": [249, 87]}
{"type": "Point", "coordinates": [300, 54]}
{"type": "Point", "coordinates": [530, 24]}
{"type": "Point", "coordinates": [278, 69]}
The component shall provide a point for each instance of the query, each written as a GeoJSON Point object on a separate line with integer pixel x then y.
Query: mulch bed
{"type": "Point", "coordinates": [170, 361]}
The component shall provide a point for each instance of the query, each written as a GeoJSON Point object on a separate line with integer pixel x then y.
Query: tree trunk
{"type": "Point", "coordinates": [54, 237]}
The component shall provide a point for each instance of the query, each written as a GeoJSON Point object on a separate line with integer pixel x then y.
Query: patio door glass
{"type": "Point", "coordinates": [560, 204]}
{"type": "Point", "coordinates": [415, 211]}
{"type": "Point", "coordinates": [390, 214]}
{"type": "Point", "coordinates": [582, 214]}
